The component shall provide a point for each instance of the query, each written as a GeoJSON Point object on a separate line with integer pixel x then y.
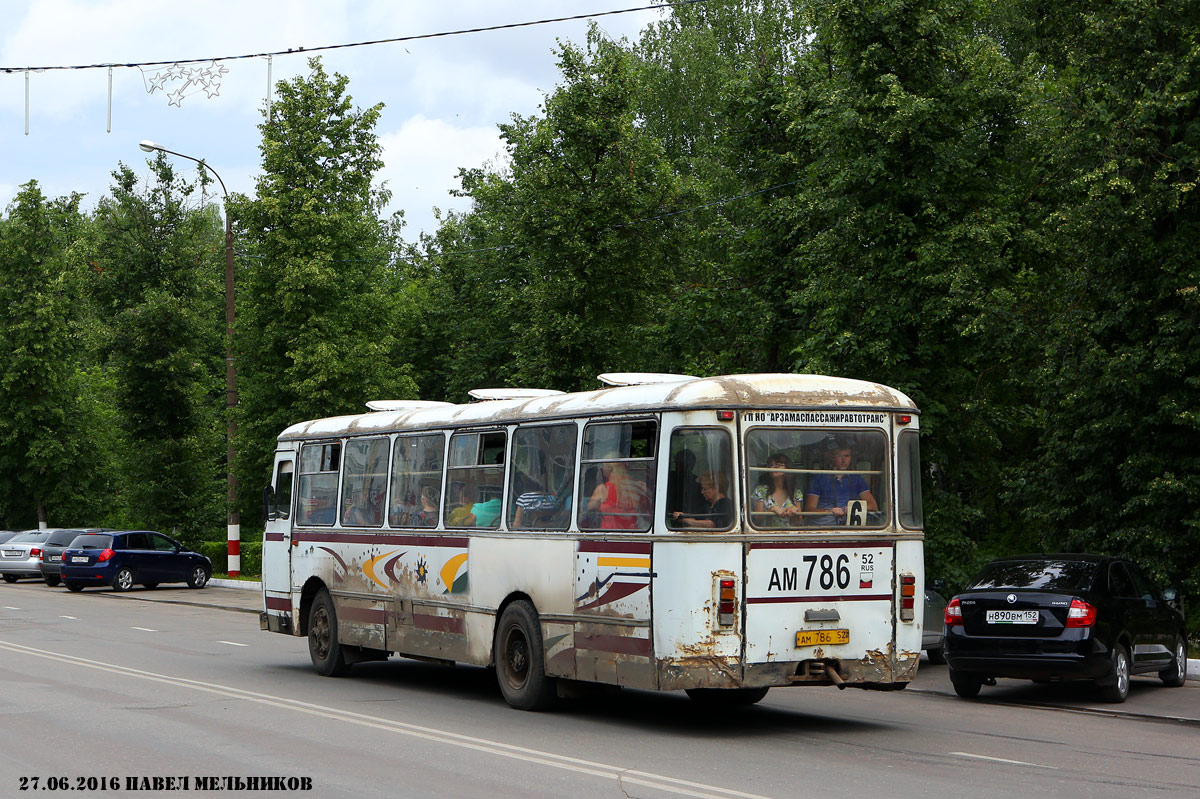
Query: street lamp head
{"type": "Point", "coordinates": [149, 146]}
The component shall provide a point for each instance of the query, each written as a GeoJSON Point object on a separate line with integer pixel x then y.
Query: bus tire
{"type": "Point", "coordinates": [327, 655]}
{"type": "Point", "coordinates": [520, 659]}
{"type": "Point", "coordinates": [726, 697]}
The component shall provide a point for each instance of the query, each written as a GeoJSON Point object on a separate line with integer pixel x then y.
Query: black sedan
{"type": "Point", "coordinates": [1064, 617]}
{"type": "Point", "coordinates": [123, 558]}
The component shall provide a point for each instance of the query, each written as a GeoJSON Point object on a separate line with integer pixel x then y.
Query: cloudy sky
{"type": "Point", "coordinates": [443, 96]}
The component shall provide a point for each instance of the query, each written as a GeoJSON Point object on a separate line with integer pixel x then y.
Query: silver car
{"type": "Point", "coordinates": [21, 555]}
{"type": "Point", "coordinates": [933, 634]}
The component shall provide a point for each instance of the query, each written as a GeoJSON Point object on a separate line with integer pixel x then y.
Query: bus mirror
{"type": "Point", "coordinates": [268, 511]}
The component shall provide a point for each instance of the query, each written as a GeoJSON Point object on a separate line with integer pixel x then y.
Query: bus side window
{"type": "Point", "coordinates": [475, 479]}
{"type": "Point", "coordinates": [618, 489]}
{"type": "Point", "coordinates": [542, 477]}
{"type": "Point", "coordinates": [316, 486]}
{"type": "Point", "coordinates": [282, 507]}
{"type": "Point", "coordinates": [416, 480]}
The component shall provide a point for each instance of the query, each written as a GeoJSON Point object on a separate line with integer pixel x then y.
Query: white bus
{"type": "Point", "coordinates": [717, 535]}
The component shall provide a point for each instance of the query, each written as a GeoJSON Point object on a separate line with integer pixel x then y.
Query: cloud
{"type": "Point", "coordinates": [422, 161]}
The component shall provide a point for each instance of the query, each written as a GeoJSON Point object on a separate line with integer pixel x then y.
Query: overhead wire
{"type": "Point", "coordinates": [390, 40]}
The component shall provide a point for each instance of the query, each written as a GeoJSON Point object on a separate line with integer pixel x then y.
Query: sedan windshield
{"type": "Point", "coordinates": [1051, 575]}
{"type": "Point", "coordinates": [32, 536]}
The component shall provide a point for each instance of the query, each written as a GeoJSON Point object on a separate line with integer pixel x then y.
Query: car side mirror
{"type": "Point", "coordinates": [1169, 594]}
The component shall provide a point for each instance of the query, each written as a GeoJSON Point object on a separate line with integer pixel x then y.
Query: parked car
{"type": "Point", "coordinates": [933, 632]}
{"type": "Point", "coordinates": [21, 555]}
{"type": "Point", "coordinates": [52, 549]}
{"type": "Point", "coordinates": [123, 558]}
{"type": "Point", "coordinates": [6, 534]}
{"type": "Point", "coordinates": [1064, 617]}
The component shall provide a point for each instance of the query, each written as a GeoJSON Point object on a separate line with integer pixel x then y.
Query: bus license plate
{"type": "Point", "coordinates": [1012, 617]}
{"type": "Point", "coordinates": [822, 637]}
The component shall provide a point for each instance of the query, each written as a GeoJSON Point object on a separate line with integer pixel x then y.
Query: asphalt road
{"type": "Point", "coordinates": [168, 683]}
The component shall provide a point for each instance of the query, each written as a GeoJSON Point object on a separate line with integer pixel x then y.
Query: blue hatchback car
{"type": "Point", "coordinates": [123, 558]}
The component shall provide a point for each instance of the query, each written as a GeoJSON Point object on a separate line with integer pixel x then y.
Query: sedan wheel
{"type": "Point", "coordinates": [74, 586]}
{"type": "Point", "coordinates": [10, 578]}
{"type": "Point", "coordinates": [1119, 690]}
{"type": "Point", "coordinates": [198, 578]}
{"type": "Point", "coordinates": [966, 685]}
{"type": "Point", "coordinates": [1176, 675]}
{"type": "Point", "coordinates": [52, 581]}
{"type": "Point", "coordinates": [123, 580]}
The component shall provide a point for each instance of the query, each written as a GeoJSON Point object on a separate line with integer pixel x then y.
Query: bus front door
{"type": "Point", "coordinates": [277, 546]}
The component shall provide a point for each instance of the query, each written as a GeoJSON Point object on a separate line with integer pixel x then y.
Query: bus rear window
{"type": "Point", "coordinates": [809, 478]}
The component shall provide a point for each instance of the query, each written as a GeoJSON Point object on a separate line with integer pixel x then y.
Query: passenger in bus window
{"type": "Point", "coordinates": [683, 489]}
{"type": "Point", "coordinates": [776, 494]}
{"type": "Point", "coordinates": [535, 509]}
{"type": "Point", "coordinates": [619, 499]}
{"type": "Point", "coordinates": [832, 492]}
{"type": "Point", "coordinates": [362, 512]}
{"type": "Point", "coordinates": [718, 513]}
{"type": "Point", "coordinates": [428, 514]}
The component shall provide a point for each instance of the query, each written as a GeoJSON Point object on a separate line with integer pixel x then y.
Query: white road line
{"type": "Point", "coordinates": [616, 773]}
{"type": "Point", "coordinates": [144, 629]}
{"type": "Point", "coordinates": [232, 643]}
{"type": "Point", "coordinates": [76, 618]}
{"type": "Point", "coordinates": [10, 607]}
{"type": "Point", "coordinates": [1003, 760]}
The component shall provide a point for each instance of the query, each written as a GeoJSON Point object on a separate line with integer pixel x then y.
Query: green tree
{"type": "Point", "coordinates": [564, 255]}
{"type": "Point", "coordinates": [1118, 466]}
{"type": "Point", "coordinates": [317, 311]}
{"type": "Point", "coordinates": [154, 280]}
{"type": "Point", "coordinates": [45, 455]}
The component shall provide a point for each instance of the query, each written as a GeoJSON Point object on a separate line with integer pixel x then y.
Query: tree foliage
{"type": "Point", "coordinates": [316, 327]}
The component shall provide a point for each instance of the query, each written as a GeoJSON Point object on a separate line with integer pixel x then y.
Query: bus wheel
{"type": "Point", "coordinates": [327, 656]}
{"type": "Point", "coordinates": [520, 659]}
{"type": "Point", "coordinates": [726, 697]}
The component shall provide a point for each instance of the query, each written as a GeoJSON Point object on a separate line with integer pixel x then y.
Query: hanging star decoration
{"type": "Point", "coordinates": [179, 81]}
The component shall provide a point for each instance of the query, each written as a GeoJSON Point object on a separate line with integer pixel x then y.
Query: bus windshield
{"type": "Point", "coordinates": [811, 478]}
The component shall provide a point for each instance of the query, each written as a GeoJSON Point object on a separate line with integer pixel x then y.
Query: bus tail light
{"type": "Point", "coordinates": [1081, 614]}
{"type": "Point", "coordinates": [953, 614]}
{"type": "Point", "coordinates": [724, 416]}
{"type": "Point", "coordinates": [726, 602]}
{"type": "Point", "coordinates": [908, 596]}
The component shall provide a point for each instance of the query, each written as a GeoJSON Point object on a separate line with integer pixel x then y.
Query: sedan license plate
{"type": "Point", "coordinates": [822, 637]}
{"type": "Point", "coordinates": [79, 559]}
{"type": "Point", "coordinates": [1012, 617]}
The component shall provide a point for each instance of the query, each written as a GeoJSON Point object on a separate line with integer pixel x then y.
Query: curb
{"type": "Point", "coordinates": [246, 585]}
{"type": "Point", "coordinates": [1193, 672]}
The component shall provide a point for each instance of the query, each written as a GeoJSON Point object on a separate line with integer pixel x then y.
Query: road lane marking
{"type": "Point", "coordinates": [144, 629]}
{"type": "Point", "coordinates": [76, 618]}
{"type": "Point", "coordinates": [10, 607]}
{"type": "Point", "coordinates": [1003, 760]}
{"type": "Point", "coordinates": [232, 643]}
{"type": "Point", "coordinates": [603, 770]}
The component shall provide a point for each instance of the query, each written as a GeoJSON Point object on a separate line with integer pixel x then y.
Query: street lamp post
{"type": "Point", "coordinates": [233, 520]}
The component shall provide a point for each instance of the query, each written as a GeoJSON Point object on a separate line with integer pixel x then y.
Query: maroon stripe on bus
{"type": "Point", "coordinates": [642, 548]}
{"type": "Point", "coordinates": [444, 624]}
{"type": "Point", "coordinates": [279, 603]}
{"type": "Point", "coordinates": [366, 615]}
{"type": "Point", "coordinates": [772, 600]}
{"type": "Point", "coordinates": [381, 538]}
{"type": "Point", "coordinates": [822, 545]}
{"type": "Point", "coordinates": [621, 644]}
{"type": "Point", "coordinates": [275, 536]}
